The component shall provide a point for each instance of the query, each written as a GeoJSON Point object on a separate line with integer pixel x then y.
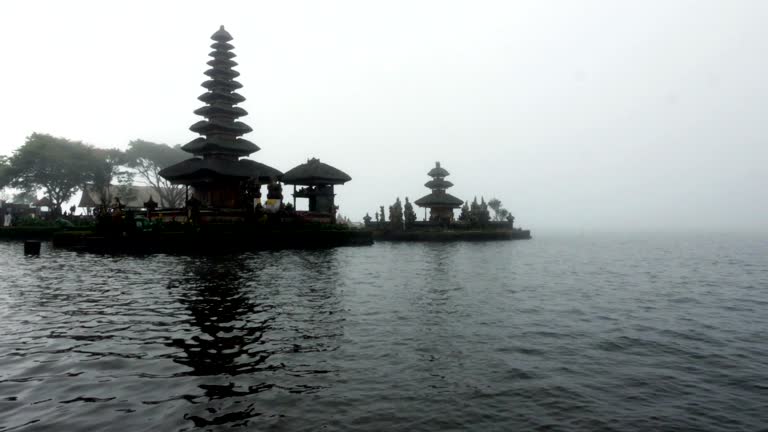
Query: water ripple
{"type": "Point", "coordinates": [561, 333]}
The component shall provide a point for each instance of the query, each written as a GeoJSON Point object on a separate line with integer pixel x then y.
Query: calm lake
{"type": "Point", "coordinates": [562, 332]}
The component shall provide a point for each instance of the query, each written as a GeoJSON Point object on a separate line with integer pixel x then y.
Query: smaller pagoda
{"type": "Point", "coordinates": [439, 202]}
{"type": "Point", "coordinates": [318, 179]}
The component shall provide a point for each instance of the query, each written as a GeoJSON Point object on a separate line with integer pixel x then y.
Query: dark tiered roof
{"type": "Point", "coordinates": [438, 197]}
{"type": "Point", "coordinates": [220, 127]}
{"type": "Point", "coordinates": [438, 171]}
{"type": "Point", "coordinates": [438, 183]}
{"type": "Point", "coordinates": [314, 172]}
{"type": "Point", "coordinates": [194, 169]}
{"type": "Point", "coordinates": [218, 150]}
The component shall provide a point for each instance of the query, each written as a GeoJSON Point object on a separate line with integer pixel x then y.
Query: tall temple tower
{"type": "Point", "coordinates": [439, 203]}
{"type": "Point", "coordinates": [217, 174]}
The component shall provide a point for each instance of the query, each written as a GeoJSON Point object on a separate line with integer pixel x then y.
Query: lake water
{"type": "Point", "coordinates": [562, 332]}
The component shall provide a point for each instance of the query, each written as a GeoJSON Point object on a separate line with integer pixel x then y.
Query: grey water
{"type": "Point", "coordinates": [562, 332]}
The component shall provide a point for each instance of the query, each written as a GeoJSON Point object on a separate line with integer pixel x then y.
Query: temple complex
{"type": "Point", "coordinates": [217, 174]}
{"type": "Point", "coordinates": [318, 179]}
{"type": "Point", "coordinates": [439, 202]}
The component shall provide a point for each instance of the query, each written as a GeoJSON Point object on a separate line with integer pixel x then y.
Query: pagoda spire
{"type": "Point", "coordinates": [221, 130]}
{"type": "Point", "coordinates": [438, 184]}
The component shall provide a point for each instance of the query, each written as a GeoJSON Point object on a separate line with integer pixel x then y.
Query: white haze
{"type": "Point", "coordinates": [575, 114]}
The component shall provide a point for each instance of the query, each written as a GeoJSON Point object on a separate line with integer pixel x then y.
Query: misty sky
{"type": "Point", "coordinates": [575, 114]}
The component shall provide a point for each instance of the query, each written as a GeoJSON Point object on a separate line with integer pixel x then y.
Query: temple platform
{"type": "Point", "coordinates": [212, 240]}
{"type": "Point", "coordinates": [450, 235]}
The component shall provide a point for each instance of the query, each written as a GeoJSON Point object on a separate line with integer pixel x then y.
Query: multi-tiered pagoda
{"type": "Point", "coordinates": [217, 174]}
{"type": "Point", "coordinates": [439, 202]}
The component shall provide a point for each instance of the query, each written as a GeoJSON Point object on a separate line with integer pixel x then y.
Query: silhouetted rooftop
{"type": "Point", "coordinates": [314, 172]}
{"type": "Point", "coordinates": [203, 169]}
{"type": "Point", "coordinates": [439, 200]}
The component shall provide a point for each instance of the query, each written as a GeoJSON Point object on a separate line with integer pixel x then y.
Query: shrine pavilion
{"type": "Point", "coordinates": [439, 203]}
{"type": "Point", "coordinates": [217, 174]}
{"type": "Point", "coordinates": [318, 179]}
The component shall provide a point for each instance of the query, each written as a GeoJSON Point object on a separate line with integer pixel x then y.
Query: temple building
{"type": "Point", "coordinates": [439, 203]}
{"type": "Point", "coordinates": [318, 180]}
{"type": "Point", "coordinates": [217, 174]}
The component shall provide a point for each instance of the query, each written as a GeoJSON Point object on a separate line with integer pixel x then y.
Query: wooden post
{"type": "Point", "coordinates": [32, 247]}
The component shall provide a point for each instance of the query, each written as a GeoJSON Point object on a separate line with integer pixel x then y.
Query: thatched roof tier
{"type": "Point", "coordinates": [438, 171]}
{"type": "Point", "coordinates": [212, 126]}
{"type": "Point", "coordinates": [222, 46]}
{"type": "Point", "coordinates": [438, 183]}
{"type": "Point", "coordinates": [221, 62]}
{"type": "Point", "coordinates": [222, 72]}
{"type": "Point", "coordinates": [314, 172]}
{"type": "Point", "coordinates": [221, 35]}
{"type": "Point", "coordinates": [227, 86]}
{"type": "Point", "coordinates": [212, 144]}
{"type": "Point", "coordinates": [218, 95]}
{"type": "Point", "coordinates": [196, 170]}
{"type": "Point", "coordinates": [221, 110]}
{"type": "Point", "coordinates": [437, 199]}
{"type": "Point", "coordinates": [221, 54]}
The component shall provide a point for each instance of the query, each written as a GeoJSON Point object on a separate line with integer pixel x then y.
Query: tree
{"type": "Point", "coordinates": [55, 165]}
{"type": "Point", "coordinates": [106, 165]}
{"type": "Point", "coordinates": [24, 197]}
{"type": "Point", "coordinates": [409, 214]}
{"type": "Point", "coordinates": [464, 215]}
{"type": "Point", "coordinates": [474, 211]}
{"type": "Point", "coordinates": [4, 179]}
{"type": "Point", "coordinates": [396, 215]}
{"type": "Point", "coordinates": [5, 168]}
{"type": "Point", "coordinates": [495, 205]}
{"type": "Point", "coordinates": [483, 216]}
{"type": "Point", "coordinates": [148, 158]}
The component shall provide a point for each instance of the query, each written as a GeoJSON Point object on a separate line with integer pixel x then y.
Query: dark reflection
{"type": "Point", "coordinates": [226, 341]}
{"type": "Point", "coordinates": [231, 325]}
{"type": "Point", "coordinates": [258, 323]}
{"type": "Point", "coordinates": [315, 317]}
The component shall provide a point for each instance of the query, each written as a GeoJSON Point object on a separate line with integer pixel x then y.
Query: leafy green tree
{"type": "Point", "coordinates": [483, 215]}
{"type": "Point", "coordinates": [464, 215]}
{"type": "Point", "coordinates": [495, 205]}
{"type": "Point", "coordinates": [106, 166]}
{"type": "Point", "coordinates": [57, 166]}
{"type": "Point", "coordinates": [148, 158]}
{"type": "Point", "coordinates": [5, 167]}
{"type": "Point", "coordinates": [4, 178]}
{"type": "Point", "coordinates": [24, 197]}
{"type": "Point", "coordinates": [396, 215]}
{"type": "Point", "coordinates": [409, 214]}
{"type": "Point", "coordinates": [474, 211]}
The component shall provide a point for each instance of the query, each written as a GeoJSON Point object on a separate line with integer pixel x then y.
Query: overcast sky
{"type": "Point", "coordinates": [575, 114]}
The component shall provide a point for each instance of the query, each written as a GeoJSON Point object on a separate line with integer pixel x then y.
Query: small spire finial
{"type": "Point", "coordinates": [437, 164]}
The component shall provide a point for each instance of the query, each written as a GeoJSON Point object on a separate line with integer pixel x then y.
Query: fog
{"type": "Point", "coordinates": [576, 115]}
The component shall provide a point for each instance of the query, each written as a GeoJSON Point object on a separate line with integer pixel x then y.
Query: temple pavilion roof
{"type": "Point", "coordinates": [314, 172]}
{"type": "Point", "coordinates": [438, 183]}
{"type": "Point", "coordinates": [241, 147]}
{"type": "Point", "coordinates": [202, 170]}
{"type": "Point", "coordinates": [438, 171]}
{"type": "Point", "coordinates": [439, 199]}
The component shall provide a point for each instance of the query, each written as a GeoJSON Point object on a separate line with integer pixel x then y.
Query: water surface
{"type": "Point", "coordinates": [562, 332]}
